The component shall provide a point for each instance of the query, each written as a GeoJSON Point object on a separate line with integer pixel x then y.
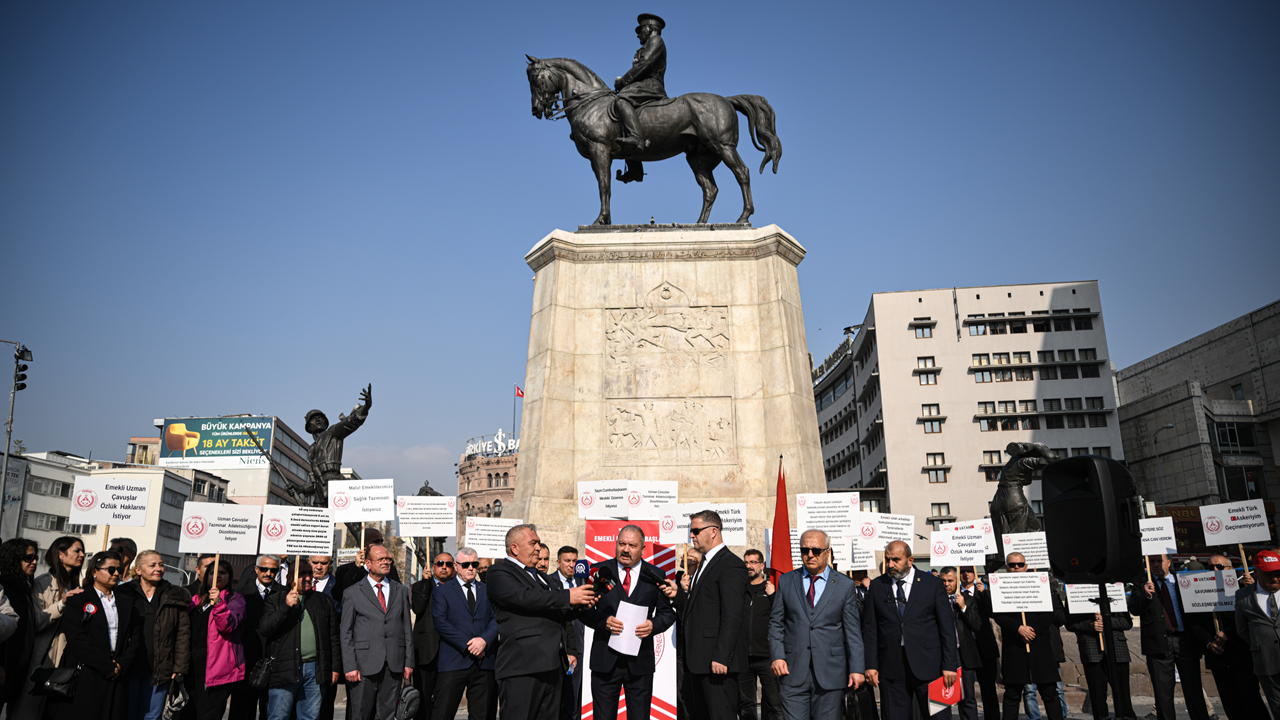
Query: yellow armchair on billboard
{"type": "Point", "coordinates": [178, 439]}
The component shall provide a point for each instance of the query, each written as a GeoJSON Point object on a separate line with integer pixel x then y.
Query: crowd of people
{"type": "Point", "coordinates": [510, 634]}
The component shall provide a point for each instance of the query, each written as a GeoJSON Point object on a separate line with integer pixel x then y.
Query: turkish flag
{"type": "Point", "coordinates": [519, 392]}
{"type": "Point", "coordinates": [780, 551]}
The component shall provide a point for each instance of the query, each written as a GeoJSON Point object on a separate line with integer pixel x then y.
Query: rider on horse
{"type": "Point", "coordinates": [642, 84]}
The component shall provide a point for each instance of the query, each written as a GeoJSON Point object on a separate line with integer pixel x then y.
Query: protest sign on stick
{"type": "Point", "coordinates": [1208, 591]}
{"type": "Point", "coordinates": [288, 530]}
{"type": "Point", "coordinates": [423, 516]}
{"type": "Point", "coordinates": [1033, 546]}
{"type": "Point", "coordinates": [488, 536]}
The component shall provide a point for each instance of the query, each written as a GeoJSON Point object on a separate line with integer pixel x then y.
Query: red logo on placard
{"type": "Point", "coordinates": [668, 524]}
{"type": "Point", "coordinates": [340, 500]}
{"type": "Point", "coordinates": [401, 502]}
{"type": "Point", "coordinates": [633, 498]}
{"type": "Point", "coordinates": [195, 527]}
{"type": "Point", "coordinates": [86, 499]}
{"type": "Point", "coordinates": [659, 644]}
{"type": "Point", "coordinates": [471, 524]}
{"type": "Point", "coordinates": [800, 502]}
{"type": "Point", "coordinates": [586, 499]}
{"type": "Point", "coordinates": [940, 548]}
{"type": "Point", "coordinates": [868, 530]}
{"type": "Point", "coordinates": [853, 500]}
{"type": "Point", "coordinates": [986, 529]}
{"type": "Point", "coordinates": [451, 503]}
{"type": "Point", "coordinates": [1184, 582]}
{"type": "Point", "coordinates": [1044, 578]}
{"type": "Point", "coordinates": [1229, 580]}
{"type": "Point", "coordinates": [1008, 540]}
{"type": "Point", "coordinates": [1213, 525]}
{"type": "Point", "coordinates": [274, 528]}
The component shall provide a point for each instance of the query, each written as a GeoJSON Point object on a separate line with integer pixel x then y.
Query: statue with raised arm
{"type": "Point", "coordinates": [1011, 512]}
{"type": "Point", "coordinates": [325, 453]}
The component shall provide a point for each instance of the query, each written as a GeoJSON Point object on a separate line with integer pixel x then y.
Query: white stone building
{"type": "Point", "coordinates": [916, 408]}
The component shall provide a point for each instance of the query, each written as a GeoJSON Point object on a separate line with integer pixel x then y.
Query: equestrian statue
{"type": "Point", "coordinates": [636, 121]}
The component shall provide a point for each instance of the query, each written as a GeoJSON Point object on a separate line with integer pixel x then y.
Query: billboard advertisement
{"type": "Point", "coordinates": [215, 443]}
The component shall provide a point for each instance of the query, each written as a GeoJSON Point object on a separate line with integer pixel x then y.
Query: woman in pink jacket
{"type": "Point", "coordinates": [217, 653]}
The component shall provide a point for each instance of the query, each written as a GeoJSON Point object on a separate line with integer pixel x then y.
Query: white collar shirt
{"type": "Point", "coordinates": [113, 615]}
{"type": "Point", "coordinates": [385, 583]}
{"type": "Point", "coordinates": [322, 583]}
{"type": "Point", "coordinates": [635, 577]}
{"type": "Point", "coordinates": [567, 582]}
{"type": "Point", "coordinates": [1261, 599]}
{"type": "Point", "coordinates": [262, 589]}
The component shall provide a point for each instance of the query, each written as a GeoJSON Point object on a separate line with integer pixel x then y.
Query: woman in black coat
{"type": "Point", "coordinates": [103, 653]}
{"type": "Point", "coordinates": [18, 560]}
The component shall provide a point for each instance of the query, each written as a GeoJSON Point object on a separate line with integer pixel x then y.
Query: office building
{"type": "Point", "coordinates": [486, 477]}
{"type": "Point", "coordinates": [916, 407]}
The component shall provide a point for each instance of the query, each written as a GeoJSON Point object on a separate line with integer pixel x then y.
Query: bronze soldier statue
{"type": "Point", "coordinates": [643, 83]}
{"type": "Point", "coordinates": [325, 453]}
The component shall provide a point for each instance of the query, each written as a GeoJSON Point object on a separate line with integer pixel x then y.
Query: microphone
{"type": "Point", "coordinates": [605, 579]}
{"type": "Point", "coordinates": [652, 575]}
{"type": "Point", "coordinates": [581, 572]}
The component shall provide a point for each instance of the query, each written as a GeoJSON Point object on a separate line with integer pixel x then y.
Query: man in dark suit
{"type": "Point", "coordinates": [534, 649]}
{"type": "Point", "coordinates": [248, 703]}
{"type": "Point", "coordinates": [611, 670]}
{"type": "Point", "coordinates": [815, 637]}
{"type": "Point", "coordinates": [571, 692]}
{"type": "Point", "coordinates": [1171, 639]}
{"type": "Point", "coordinates": [974, 591]}
{"type": "Point", "coordinates": [1098, 670]}
{"type": "Point", "coordinates": [1030, 656]}
{"type": "Point", "coordinates": [711, 620]}
{"type": "Point", "coordinates": [908, 634]}
{"type": "Point", "coordinates": [322, 581]}
{"type": "Point", "coordinates": [1258, 620]}
{"type": "Point", "coordinates": [426, 642]}
{"type": "Point", "coordinates": [376, 639]}
{"type": "Point", "coordinates": [468, 635]}
{"type": "Point", "coordinates": [1230, 659]}
{"type": "Point", "coordinates": [969, 620]}
{"type": "Point", "coordinates": [755, 619]}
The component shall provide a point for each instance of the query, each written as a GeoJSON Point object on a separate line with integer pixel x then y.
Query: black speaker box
{"type": "Point", "coordinates": [1091, 513]}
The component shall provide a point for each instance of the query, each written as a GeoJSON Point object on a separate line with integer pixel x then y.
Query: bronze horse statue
{"type": "Point", "coordinates": [702, 126]}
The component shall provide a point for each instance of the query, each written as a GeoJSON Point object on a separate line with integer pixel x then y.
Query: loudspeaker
{"type": "Point", "coordinates": [1091, 512]}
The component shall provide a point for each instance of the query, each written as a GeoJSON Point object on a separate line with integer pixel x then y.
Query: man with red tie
{"type": "Point", "coordinates": [377, 639]}
{"type": "Point", "coordinates": [1171, 638]}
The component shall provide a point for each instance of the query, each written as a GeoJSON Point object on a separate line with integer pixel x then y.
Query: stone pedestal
{"type": "Point", "coordinates": [666, 353]}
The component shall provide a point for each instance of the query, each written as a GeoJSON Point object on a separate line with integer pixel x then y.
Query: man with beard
{"type": "Point", "coordinates": [759, 606]}
{"type": "Point", "coordinates": [908, 634]}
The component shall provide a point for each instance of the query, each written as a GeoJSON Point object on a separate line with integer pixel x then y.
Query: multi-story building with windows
{"type": "Point", "coordinates": [1221, 393]}
{"type": "Point", "coordinates": [487, 476]}
{"type": "Point", "coordinates": [916, 409]}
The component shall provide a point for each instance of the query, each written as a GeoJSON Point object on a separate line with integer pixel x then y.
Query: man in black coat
{"type": "Point", "coordinates": [535, 647]}
{"type": "Point", "coordinates": [908, 635]}
{"type": "Point", "coordinates": [426, 641]}
{"type": "Point", "coordinates": [974, 590]}
{"type": "Point", "coordinates": [300, 631]}
{"type": "Point", "coordinates": [1171, 639]}
{"type": "Point", "coordinates": [1230, 660]}
{"type": "Point", "coordinates": [1030, 656]}
{"type": "Point", "coordinates": [969, 619]}
{"type": "Point", "coordinates": [611, 670]}
{"type": "Point", "coordinates": [571, 691]}
{"type": "Point", "coordinates": [1097, 660]}
{"type": "Point", "coordinates": [711, 621]}
{"type": "Point", "coordinates": [760, 595]}
{"type": "Point", "coordinates": [248, 703]}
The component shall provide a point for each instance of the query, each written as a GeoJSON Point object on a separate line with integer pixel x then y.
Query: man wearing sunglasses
{"type": "Point", "coordinates": [248, 703]}
{"type": "Point", "coordinates": [908, 635]}
{"type": "Point", "coordinates": [468, 632]}
{"type": "Point", "coordinates": [1172, 641]}
{"type": "Point", "coordinates": [1230, 660]}
{"type": "Point", "coordinates": [1039, 665]}
{"type": "Point", "coordinates": [1258, 619]}
{"type": "Point", "coordinates": [815, 634]}
{"type": "Point", "coordinates": [426, 641]}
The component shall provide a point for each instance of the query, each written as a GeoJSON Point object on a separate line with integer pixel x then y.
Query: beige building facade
{"type": "Point", "coordinates": [915, 409]}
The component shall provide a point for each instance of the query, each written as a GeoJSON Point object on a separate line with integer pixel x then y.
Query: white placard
{"type": "Point", "coordinates": [1034, 546]}
{"type": "Point", "coordinates": [1208, 591]}
{"type": "Point", "coordinates": [988, 532]}
{"type": "Point", "coordinates": [602, 498]}
{"type": "Point", "coordinates": [288, 530]}
{"type": "Point", "coordinates": [220, 528]}
{"type": "Point", "coordinates": [1080, 598]}
{"type": "Point", "coordinates": [102, 500]}
{"type": "Point", "coordinates": [880, 529]}
{"type": "Point", "coordinates": [362, 500]}
{"type": "Point", "coordinates": [644, 497]}
{"type": "Point", "coordinates": [346, 555]}
{"type": "Point", "coordinates": [488, 536]}
{"type": "Point", "coordinates": [1157, 536]}
{"type": "Point", "coordinates": [673, 528]}
{"type": "Point", "coordinates": [863, 554]}
{"type": "Point", "coordinates": [1020, 592]}
{"type": "Point", "coordinates": [733, 516]}
{"type": "Point", "coordinates": [1234, 522]}
{"type": "Point", "coordinates": [422, 516]}
{"type": "Point", "coordinates": [831, 512]}
{"type": "Point", "coordinates": [841, 549]}
{"type": "Point", "coordinates": [957, 547]}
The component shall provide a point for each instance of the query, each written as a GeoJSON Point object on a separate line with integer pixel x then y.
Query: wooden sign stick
{"type": "Point", "coordinates": [1024, 622]}
{"type": "Point", "coordinates": [106, 536]}
{"type": "Point", "coordinates": [217, 557]}
{"type": "Point", "coordinates": [1148, 559]}
{"type": "Point", "coordinates": [297, 567]}
{"type": "Point", "coordinates": [1243, 560]}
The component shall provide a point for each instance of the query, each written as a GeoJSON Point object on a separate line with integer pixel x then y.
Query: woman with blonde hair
{"type": "Point", "coordinates": [166, 636]}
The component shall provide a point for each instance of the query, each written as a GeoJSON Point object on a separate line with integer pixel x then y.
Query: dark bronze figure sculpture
{"type": "Point", "coordinates": [325, 453]}
{"type": "Point", "coordinates": [638, 122]}
{"type": "Point", "coordinates": [1010, 510]}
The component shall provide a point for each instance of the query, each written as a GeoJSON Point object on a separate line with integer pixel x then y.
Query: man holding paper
{"type": "Point", "coordinates": [625, 620]}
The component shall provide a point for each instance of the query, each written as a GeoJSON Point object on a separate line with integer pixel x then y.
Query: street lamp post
{"type": "Point", "coordinates": [1155, 443]}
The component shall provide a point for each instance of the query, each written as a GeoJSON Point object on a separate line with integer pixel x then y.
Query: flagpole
{"type": "Point", "coordinates": [514, 399]}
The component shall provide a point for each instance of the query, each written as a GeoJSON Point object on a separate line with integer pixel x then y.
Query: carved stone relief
{"type": "Point", "coordinates": [668, 431]}
{"type": "Point", "coordinates": [666, 348]}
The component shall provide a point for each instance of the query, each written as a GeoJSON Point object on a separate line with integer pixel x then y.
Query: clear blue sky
{"type": "Point", "coordinates": [260, 207]}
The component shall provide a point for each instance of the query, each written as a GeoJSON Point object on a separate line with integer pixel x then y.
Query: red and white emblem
{"type": "Point", "coordinates": [668, 524]}
{"type": "Point", "coordinates": [633, 498]}
{"type": "Point", "coordinates": [340, 500]}
{"type": "Point", "coordinates": [195, 527]}
{"type": "Point", "coordinates": [1229, 580]}
{"type": "Point", "coordinates": [1044, 577]}
{"type": "Point", "coordinates": [451, 503]}
{"type": "Point", "coordinates": [940, 548]}
{"type": "Point", "coordinates": [401, 502]}
{"type": "Point", "coordinates": [586, 499]}
{"type": "Point", "coordinates": [800, 501]}
{"type": "Point", "coordinates": [471, 524]}
{"type": "Point", "coordinates": [1213, 525]}
{"type": "Point", "coordinates": [1184, 582]}
{"type": "Point", "coordinates": [274, 528]}
{"type": "Point", "coordinates": [86, 499]}
{"type": "Point", "coordinates": [868, 530]}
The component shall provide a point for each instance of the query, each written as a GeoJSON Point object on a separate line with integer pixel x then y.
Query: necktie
{"type": "Point", "coordinates": [533, 573]}
{"type": "Point", "coordinates": [956, 615]}
{"type": "Point", "coordinates": [1271, 605]}
{"type": "Point", "coordinates": [813, 580]}
{"type": "Point", "coordinates": [1170, 620]}
{"type": "Point", "coordinates": [902, 600]}
{"type": "Point", "coordinates": [626, 582]}
{"type": "Point", "coordinates": [471, 598]}
{"type": "Point", "coordinates": [382, 598]}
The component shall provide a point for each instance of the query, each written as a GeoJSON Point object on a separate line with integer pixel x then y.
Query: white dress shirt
{"type": "Point", "coordinates": [322, 583]}
{"type": "Point", "coordinates": [113, 615]}
{"type": "Point", "coordinates": [635, 577]}
{"type": "Point", "coordinates": [1261, 599]}
{"type": "Point", "coordinates": [566, 581]}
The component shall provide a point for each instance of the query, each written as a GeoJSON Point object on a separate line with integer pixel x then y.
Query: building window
{"type": "Point", "coordinates": [1066, 356]}
{"type": "Point", "coordinates": [992, 457]}
{"type": "Point", "coordinates": [1075, 422]}
{"type": "Point", "coordinates": [497, 509]}
{"type": "Point", "coordinates": [75, 529]}
{"type": "Point", "coordinates": [988, 425]}
{"type": "Point", "coordinates": [1088, 353]}
{"type": "Point", "coordinates": [992, 474]}
{"type": "Point", "coordinates": [1094, 403]}
{"type": "Point", "coordinates": [52, 488]}
{"type": "Point", "coordinates": [872, 505]}
{"type": "Point", "coordinates": [1048, 373]}
{"type": "Point", "coordinates": [1077, 452]}
{"type": "Point", "coordinates": [1097, 421]}
{"type": "Point", "coordinates": [170, 530]}
{"type": "Point", "coordinates": [1062, 325]}
{"type": "Point", "coordinates": [1002, 375]}
{"type": "Point", "coordinates": [198, 487]}
{"type": "Point", "coordinates": [1069, 372]}
{"type": "Point", "coordinates": [937, 476]}
{"type": "Point", "coordinates": [1073, 403]}
{"type": "Point", "coordinates": [1023, 374]}
{"type": "Point", "coordinates": [986, 408]}
{"type": "Point", "coordinates": [925, 362]}
{"type": "Point", "coordinates": [1017, 327]}
{"type": "Point", "coordinates": [506, 479]}
{"type": "Point", "coordinates": [1084, 323]}
{"type": "Point", "coordinates": [1044, 357]}
{"type": "Point", "coordinates": [996, 328]}
{"type": "Point", "coordinates": [169, 497]}
{"type": "Point", "coordinates": [1007, 406]}
{"type": "Point", "coordinates": [1053, 405]}
{"type": "Point", "coordinates": [977, 328]}
{"type": "Point", "coordinates": [1021, 358]}
{"type": "Point", "coordinates": [982, 376]}
{"type": "Point", "coordinates": [929, 378]}
{"type": "Point", "coordinates": [932, 426]}
{"type": "Point", "coordinates": [1040, 325]}
{"type": "Point", "coordinates": [1054, 422]}
{"type": "Point", "coordinates": [930, 410]}
{"type": "Point", "coordinates": [1237, 391]}
{"type": "Point", "coordinates": [1102, 451]}
{"type": "Point", "coordinates": [940, 510]}
{"type": "Point", "coordinates": [44, 521]}
{"type": "Point", "coordinates": [1001, 358]}
{"type": "Point", "coordinates": [935, 459]}
{"type": "Point", "coordinates": [982, 359]}
{"type": "Point", "coordinates": [924, 332]}
{"type": "Point", "coordinates": [1027, 406]}
{"type": "Point", "coordinates": [1234, 438]}
{"type": "Point", "coordinates": [1088, 371]}
{"type": "Point", "coordinates": [1030, 423]}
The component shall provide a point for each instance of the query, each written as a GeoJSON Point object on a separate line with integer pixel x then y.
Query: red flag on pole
{"type": "Point", "coordinates": [780, 548]}
{"type": "Point", "coordinates": [519, 392]}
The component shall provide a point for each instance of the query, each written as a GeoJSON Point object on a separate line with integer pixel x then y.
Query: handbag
{"type": "Point", "coordinates": [176, 700]}
{"type": "Point", "coordinates": [260, 677]}
{"type": "Point", "coordinates": [55, 682]}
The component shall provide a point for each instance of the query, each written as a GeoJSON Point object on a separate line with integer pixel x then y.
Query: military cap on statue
{"type": "Point", "coordinates": [650, 19]}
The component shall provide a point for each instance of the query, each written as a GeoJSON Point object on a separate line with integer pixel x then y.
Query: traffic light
{"type": "Point", "coordinates": [19, 374]}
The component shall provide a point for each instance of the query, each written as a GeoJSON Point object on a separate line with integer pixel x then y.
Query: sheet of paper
{"type": "Point", "coordinates": [631, 616]}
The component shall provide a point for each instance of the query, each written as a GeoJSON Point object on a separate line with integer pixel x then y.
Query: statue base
{"type": "Point", "coordinates": [661, 352]}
